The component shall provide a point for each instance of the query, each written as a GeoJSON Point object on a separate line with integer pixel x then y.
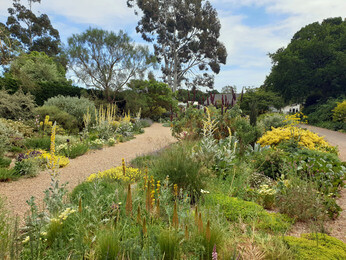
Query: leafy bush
{"type": "Point", "coordinates": [145, 122]}
{"type": "Point", "coordinates": [75, 106]}
{"type": "Point", "coordinates": [267, 121]}
{"type": "Point", "coordinates": [37, 143]}
{"type": "Point", "coordinates": [234, 209]}
{"type": "Point", "coordinates": [271, 163]}
{"type": "Point", "coordinates": [321, 114]}
{"type": "Point", "coordinates": [5, 162]}
{"type": "Point", "coordinates": [339, 113]}
{"type": "Point", "coordinates": [7, 136]}
{"type": "Point", "coordinates": [18, 126]}
{"type": "Point", "coordinates": [323, 168]}
{"type": "Point", "coordinates": [7, 174]}
{"type": "Point", "coordinates": [176, 163]}
{"type": "Point", "coordinates": [16, 106]}
{"type": "Point", "coordinates": [27, 167]}
{"type": "Point", "coordinates": [317, 246]}
{"type": "Point", "coordinates": [73, 150]}
{"type": "Point", "coordinates": [300, 200]}
{"type": "Point", "coordinates": [64, 119]}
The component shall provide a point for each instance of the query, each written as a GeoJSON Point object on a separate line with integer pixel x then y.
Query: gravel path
{"type": "Point", "coordinates": [336, 228]}
{"type": "Point", "coordinates": [333, 137]}
{"type": "Point", "coordinates": [18, 192]}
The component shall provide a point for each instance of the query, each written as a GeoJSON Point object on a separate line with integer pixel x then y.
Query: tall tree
{"type": "Point", "coordinates": [185, 35]}
{"type": "Point", "coordinates": [34, 68]}
{"type": "Point", "coordinates": [8, 46]}
{"type": "Point", "coordinates": [106, 60]}
{"type": "Point", "coordinates": [314, 63]}
{"type": "Point", "coordinates": [35, 33]}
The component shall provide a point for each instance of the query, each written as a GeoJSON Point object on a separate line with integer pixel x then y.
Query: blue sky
{"type": "Point", "coordinates": [250, 28]}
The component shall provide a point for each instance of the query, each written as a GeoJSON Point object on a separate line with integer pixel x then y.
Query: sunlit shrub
{"type": "Point", "coordinates": [317, 246]}
{"type": "Point", "coordinates": [117, 173]}
{"type": "Point", "coordinates": [305, 138]}
{"type": "Point", "coordinates": [339, 113]}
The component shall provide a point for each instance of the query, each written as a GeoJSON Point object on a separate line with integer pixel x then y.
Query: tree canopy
{"type": "Point", "coordinates": [106, 60]}
{"type": "Point", "coordinates": [35, 33]}
{"type": "Point", "coordinates": [185, 36]}
{"type": "Point", "coordinates": [261, 100]}
{"type": "Point", "coordinates": [314, 63]}
{"type": "Point", "coordinates": [152, 97]}
{"type": "Point", "coordinates": [34, 68]}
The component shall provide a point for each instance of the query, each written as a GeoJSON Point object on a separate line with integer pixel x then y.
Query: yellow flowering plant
{"type": "Point", "coordinates": [116, 173]}
{"type": "Point", "coordinates": [303, 137]}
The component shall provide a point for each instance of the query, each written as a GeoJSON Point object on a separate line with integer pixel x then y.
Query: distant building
{"type": "Point", "coordinates": [293, 108]}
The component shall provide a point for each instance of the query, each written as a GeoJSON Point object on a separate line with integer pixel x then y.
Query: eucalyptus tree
{"type": "Point", "coordinates": [34, 33]}
{"type": "Point", "coordinates": [185, 34]}
{"type": "Point", "coordinates": [106, 60]}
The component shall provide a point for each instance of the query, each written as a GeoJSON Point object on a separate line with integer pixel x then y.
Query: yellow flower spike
{"type": "Point", "coordinates": [175, 187]}
{"type": "Point", "coordinates": [124, 167]}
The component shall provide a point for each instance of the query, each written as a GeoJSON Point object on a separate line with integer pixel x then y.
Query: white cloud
{"type": "Point", "coordinates": [101, 13]}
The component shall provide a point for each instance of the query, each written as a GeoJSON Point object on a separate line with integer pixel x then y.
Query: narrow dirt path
{"type": "Point", "coordinates": [18, 192]}
{"type": "Point", "coordinates": [336, 228]}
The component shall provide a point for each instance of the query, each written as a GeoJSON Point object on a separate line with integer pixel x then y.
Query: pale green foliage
{"type": "Point", "coordinates": [16, 106]}
{"type": "Point", "coordinates": [73, 105]}
{"type": "Point", "coordinates": [30, 69]}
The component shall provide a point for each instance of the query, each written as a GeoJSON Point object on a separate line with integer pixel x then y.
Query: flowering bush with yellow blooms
{"type": "Point", "coordinates": [47, 157]}
{"type": "Point", "coordinates": [304, 137]}
{"type": "Point", "coordinates": [117, 173]}
{"type": "Point", "coordinates": [339, 112]}
{"type": "Point", "coordinates": [295, 119]}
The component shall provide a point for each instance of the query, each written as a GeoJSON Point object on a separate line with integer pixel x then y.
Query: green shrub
{"type": "Point", "coordinates": [27, 167]}
{"type": "Point", "coordinates": [234, 209]}
{"type": "Point", "coordinates": [7, 174]}
{"type": "Point", "coordinates": [74, 150]}
{"type": "Point", "coordinates": [317, 246]}
{"type": "Point", "coordinates": [5, 162]}
{"type": "Point", "coordinates": [300, 200]}
{"type": "Point", "coordinates": [38, 143]}
{"type": "Point", "coordinates": [339, 112]}
{"type": "Point", "coordinates": [145, 122]}
{"type": "Point", "coordinates": [16, 106]}
{"type": "Point", "coordinates": [63, 119]}
{"type": "Point", "coordinates": [75, 106]}
{"type": "Point", "coordinates": [271, 163]}
{"type": "Point", "coordinates": [176, 163]}
{"type": "Point", "coordinates": [321, 114]}
{"type": "Point", "coordinates": [267, 121]}
{"type": "Point", "coordinates": [6, 134]}
{"type": "Point", "coordinates": [245, 133]}
{"type": "Point", "coordinates": [18, 126]}
{"type": "Point", "coordinates": [325, 169]}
